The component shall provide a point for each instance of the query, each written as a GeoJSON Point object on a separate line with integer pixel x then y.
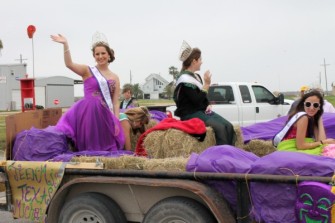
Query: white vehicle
{"type": "Point", "coordinates": [244, 103]}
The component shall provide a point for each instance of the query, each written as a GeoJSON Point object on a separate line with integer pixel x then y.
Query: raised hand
{"type": "Point", "coordinates": [208, 77]}
{"type": "Point", "coordinates": [58, 38]}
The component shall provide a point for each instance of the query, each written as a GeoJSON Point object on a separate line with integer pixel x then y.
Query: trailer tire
{"type": "Point", "coordinates": [179, 209]}
{"type": "Point", "coordinates": [92, 207]}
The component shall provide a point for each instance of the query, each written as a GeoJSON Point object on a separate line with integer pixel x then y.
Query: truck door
{"type": "Point", "coordinates": [223, 102]}
{"type": "Point", "coordinates": [248, 113]}
{"type": "Point", "coordinates": [266, 109]}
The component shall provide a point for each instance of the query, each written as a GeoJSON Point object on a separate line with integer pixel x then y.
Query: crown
{"type": "Point", "coordinates": [185, 51]}
{"type": "Point", "coordinates": [99, 38]}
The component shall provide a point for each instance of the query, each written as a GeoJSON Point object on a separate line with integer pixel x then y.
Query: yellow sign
{"type": "Point", "coordinates": [33, 185]}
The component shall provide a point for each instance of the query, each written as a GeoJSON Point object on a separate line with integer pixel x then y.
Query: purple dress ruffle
{"type": "Point", "coordinates": [90, 123]}
{"type": "Point", "coordinates": [39, 144]}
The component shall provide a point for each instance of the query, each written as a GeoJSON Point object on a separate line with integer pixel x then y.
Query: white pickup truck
{"type": "Point", "coordinates": [245, 103]}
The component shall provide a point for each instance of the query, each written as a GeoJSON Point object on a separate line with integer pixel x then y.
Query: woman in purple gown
{"type": "Point", "coordinates": [92, 122]}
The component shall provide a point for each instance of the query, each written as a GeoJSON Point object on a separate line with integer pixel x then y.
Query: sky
{"type": "Point", "coordinates": [281, 44]}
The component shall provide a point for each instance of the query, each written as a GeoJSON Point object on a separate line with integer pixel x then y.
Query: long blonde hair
{"type": "Point", "coordinates": [138, 114]}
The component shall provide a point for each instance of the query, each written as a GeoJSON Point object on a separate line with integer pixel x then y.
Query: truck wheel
{"type": "Point", "coordinates": [179, 210]}
{"type": "Point", "coordinates": [92, 208]}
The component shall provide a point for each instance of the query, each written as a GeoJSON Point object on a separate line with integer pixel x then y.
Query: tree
{"type": "Point", "coordinates": [137, 91]}
{"type": "Point", "coordinates": [173, 71]}
{"type": "Point", "coordinates": [1, 46]}
{"type": "Point", "coordinates": [168, 90]}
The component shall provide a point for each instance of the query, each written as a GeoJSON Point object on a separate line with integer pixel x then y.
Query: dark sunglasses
{"type": "Point", "coordinates": [309, 104]}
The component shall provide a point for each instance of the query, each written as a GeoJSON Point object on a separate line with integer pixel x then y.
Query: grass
{"type": "Point", "coordinates": [153, 102]}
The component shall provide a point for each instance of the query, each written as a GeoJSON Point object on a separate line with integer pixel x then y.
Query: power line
{"type": "Point", "coordinates": [21, 59]}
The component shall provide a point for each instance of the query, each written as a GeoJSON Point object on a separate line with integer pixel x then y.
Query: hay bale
{"type": "Point", "coordinates": [259, 147]}
{"type": "Point", "coordinates": [122, 162]}
{"type": "Point", "coordinates": [134, 137]}
{"type": "Point", "coordinates": [239, 137]}
{"type": "Point", "coordinates": [176, 143]}
{"type": "Point", "coordinates": [167, 164]}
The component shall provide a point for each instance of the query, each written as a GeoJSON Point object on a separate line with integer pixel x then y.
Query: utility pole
{"type": "Point", "coordinates": [21, 59]}
{"type": "Point", "coordinates": [325, 65]}
{"type": "Point", "coordinates": [130, 77]}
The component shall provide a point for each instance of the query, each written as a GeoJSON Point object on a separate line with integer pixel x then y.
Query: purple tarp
{"type": "Point", "coordinates": [222, 159]}
{"type": "Point", "coordinates": [266, 130]}
{"type": "Point", "coordinates": [271, 202]}
{"type": "Point", "coordinates": [275, 202]}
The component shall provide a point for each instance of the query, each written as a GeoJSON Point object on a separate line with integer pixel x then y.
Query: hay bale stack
{"type": "Point", "coordinates": [176, 143]}
{"type": "Point", "coordinates": [167, 164]}
{"type": "Point", "coordinates": [259, 147]}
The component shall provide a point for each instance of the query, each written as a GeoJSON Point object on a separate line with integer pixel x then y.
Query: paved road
{"type": "Point", "coordinates": [7, 217]}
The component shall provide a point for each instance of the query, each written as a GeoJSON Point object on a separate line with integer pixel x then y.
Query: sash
{"type": "Point", "coordinates": [280, 135]}
{"type": "Point", "coordinates": [104, 88]}
{"type": "Point", "coordinates": [185, 78]}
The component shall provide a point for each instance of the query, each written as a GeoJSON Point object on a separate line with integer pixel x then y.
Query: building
{"type": "Point", "coordinates": [59, 89]}
{"type": "Point", "coordinates": [154, 86]}
{"type": "Point", "coordinates": [48, 90]}
{"type": "Point", "coordinates": [10, 74]}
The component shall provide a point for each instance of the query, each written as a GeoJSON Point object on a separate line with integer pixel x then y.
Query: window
{"type": "Point", "coordinates": [263, 95]}
{"type": "Point", "coordinates": [245, 94]}
{"type": "Point", "coordinates": [220, 94]}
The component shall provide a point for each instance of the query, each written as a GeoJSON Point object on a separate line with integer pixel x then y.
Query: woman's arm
{"type": "Point", "coordinates": [320, 133]}
{"type": "Point", "coordinates": [115, 97]}
{"type": "Point", "coordinates": [126, 129]}
{"type": "Point", "coordinates": [302, 125]}
{"type": "Point", "coordinates": [80, 69]}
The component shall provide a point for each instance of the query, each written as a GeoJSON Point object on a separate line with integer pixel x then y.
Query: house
{"type": "Point", "coordinates": [154, 86]}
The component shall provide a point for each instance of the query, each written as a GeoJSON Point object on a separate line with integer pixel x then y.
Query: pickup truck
{"type": "Point", "coordinates": [71, 193]}
{"type": "Point", "coordinates": [244, 103]}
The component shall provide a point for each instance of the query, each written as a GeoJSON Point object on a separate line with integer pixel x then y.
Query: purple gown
{"type": "Point", "coordinates": [90, 123]}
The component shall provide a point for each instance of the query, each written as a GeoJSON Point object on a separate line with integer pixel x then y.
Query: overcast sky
{"type": "Point", "coordinates": [279, 43]}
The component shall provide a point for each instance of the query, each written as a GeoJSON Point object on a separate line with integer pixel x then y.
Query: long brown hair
{"type": "Point", "coordinates": [109, 50]}
{"type": "Point", "coordinates": [300, 107]}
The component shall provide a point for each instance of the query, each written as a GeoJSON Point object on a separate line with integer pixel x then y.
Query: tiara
{"type": "Point", "coordinates": [99, 38]}
{"type": "Point", "coordinates": [185, 51]}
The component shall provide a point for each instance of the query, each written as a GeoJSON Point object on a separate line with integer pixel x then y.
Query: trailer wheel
{"type": "Point", "coordinates": [179, 210]}
{"type": "Point", "coordinates": [91, 208]}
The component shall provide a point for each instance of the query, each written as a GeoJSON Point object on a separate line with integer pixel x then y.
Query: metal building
{"type": "Point", "coordinates": [10, 74]}
{"type": "Point", "coordinates": [47, 90]}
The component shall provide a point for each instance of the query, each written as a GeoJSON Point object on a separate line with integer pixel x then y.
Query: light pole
{"type": "Point", "coordinates": [31, 30]}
